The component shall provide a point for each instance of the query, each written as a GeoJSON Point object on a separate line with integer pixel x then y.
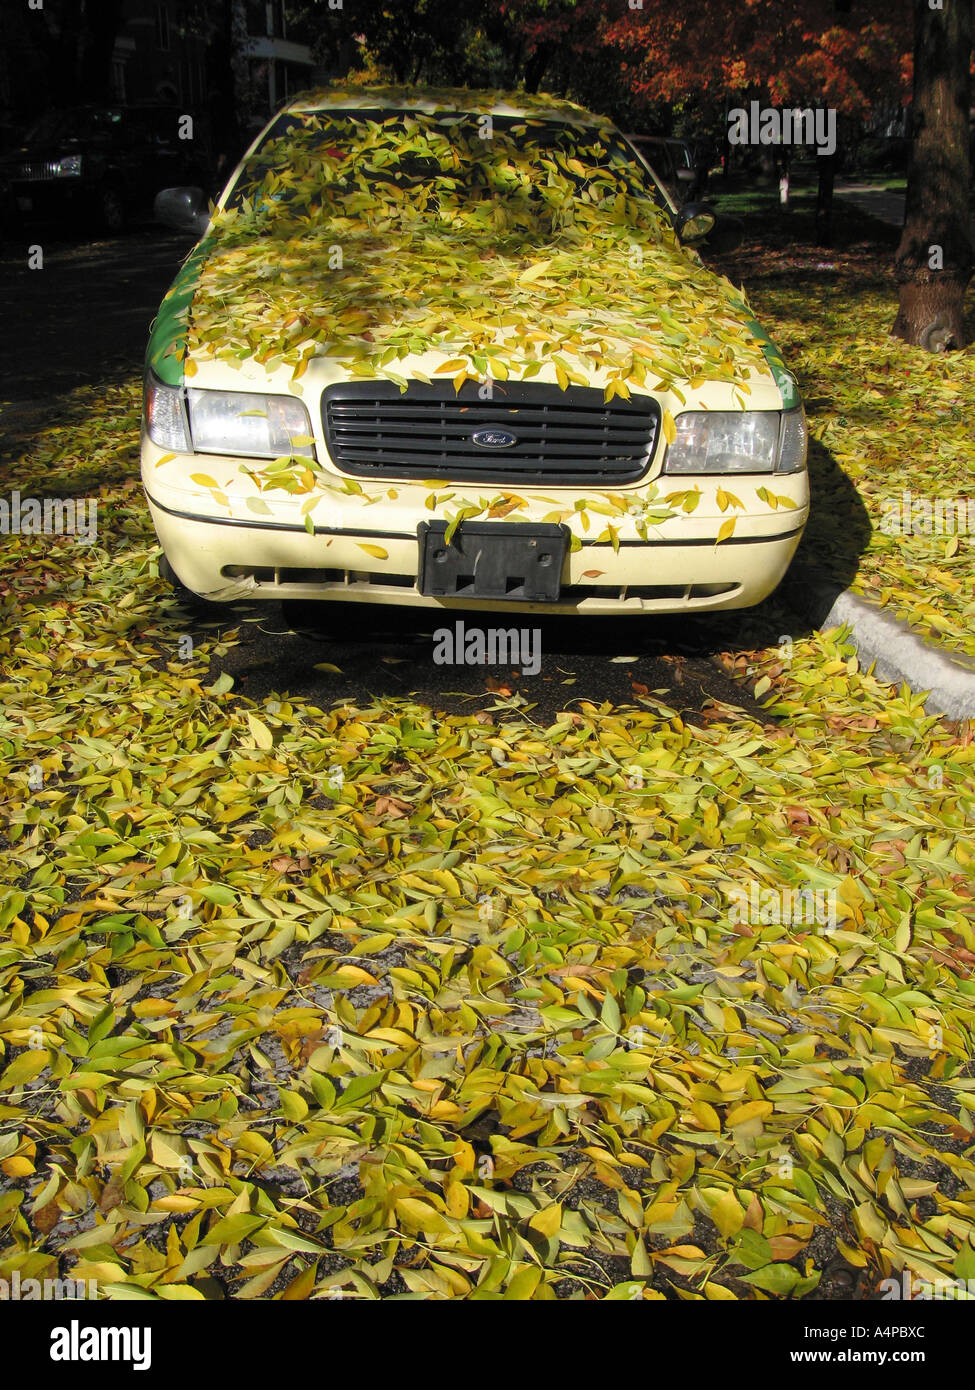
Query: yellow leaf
{"type": "Point", "coordinates": [718, 1293]}
{"type": "Point", "coordinates": [348, 976]}
{"type": "Point", "coordinates": [421, 1216]}
{"type": "Point", "coordinates": [706, 1115]}
{"type": "Point", "coordinates": [670, 427]}
{"type": "Point", "coordinates": [751, 1110]}
{"type": "Point", "coordinates": [261, 733]}
{"type": "Point", "coordinates": [727, 529]}
{"type": "Point", "coordinates": [376, 551]}
{"type": "Point", "coordinates": [457, 1199]}
{"type": "Point", "coordinates": [294, 1105]}
{"type": "Point", "coordinates": [17, 1167]}
{"type": "Point", "coordinates": [534, 272]}
{"type": "Point", "coordinates": [548, 1222]}
{"type": "Point", "coordinates": [852, 1256]}
{"type": "Point", "coordinates": [176, 1202]}
{"type": "Point", "coordinates": [301, 1285]}
{"type": "Point", "coordinates": [164, 1153]}
{"type": "Point", "coordinates": [203, 479]}
{"type": "Point", "coordinates": [24, 1068]}
{"type": "Point", "coordinates": [727, 1214]}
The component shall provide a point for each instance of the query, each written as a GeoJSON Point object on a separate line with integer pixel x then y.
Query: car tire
{"type": "Point", "coordinates": [111, 210]}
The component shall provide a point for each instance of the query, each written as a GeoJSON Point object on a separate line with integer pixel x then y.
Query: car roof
{"type": "Point", "coordinates": [461, 100]}
{"type": "Point", "coordinates": [660, 139]}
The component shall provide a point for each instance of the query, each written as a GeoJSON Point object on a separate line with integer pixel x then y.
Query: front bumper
{"type": "Point", "coordinates": [365, 548]}
{"type": "Point", "coordinates": [45, 199]}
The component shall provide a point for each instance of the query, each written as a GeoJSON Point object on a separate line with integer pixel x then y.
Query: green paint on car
{"type": "Point", "coordinates": [167, 340]}
{"type": "Point", "coordinates": [784, 379]}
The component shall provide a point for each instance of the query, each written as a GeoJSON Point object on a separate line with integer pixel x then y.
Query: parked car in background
{"type": "Point", "coordinates": [96, 166]}
{"type": "Point", "coordinates": [680, 166]}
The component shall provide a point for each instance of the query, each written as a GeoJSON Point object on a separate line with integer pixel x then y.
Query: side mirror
{"type": "Point", "coordinates": [694, 221]}
{"type": "Point", "coordinates": [183, 209]}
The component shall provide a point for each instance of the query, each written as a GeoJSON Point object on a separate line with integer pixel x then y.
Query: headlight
{"type": "Point", "coordinates": [738, 441]}
{"type": "Point", "coordinates": [67, 168]}
{"type": "Point", "coordinates": [243, 422]}
{"type": "Point", "coordinates": [165, 414]}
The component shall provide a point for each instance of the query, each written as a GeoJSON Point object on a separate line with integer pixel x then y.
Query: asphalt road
{"type": "Point", "coordinates": [84, 319]}
{"type": "Point", "coordinates": [329, 653]}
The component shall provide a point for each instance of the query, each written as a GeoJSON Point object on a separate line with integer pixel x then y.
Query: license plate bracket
{"type": "Point", "coordinates": [514, 561]}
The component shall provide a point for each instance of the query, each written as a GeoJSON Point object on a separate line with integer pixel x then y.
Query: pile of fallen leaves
{"type": "Point", "coordinates": [892, 435]}
{"type": "Point", "coordinates": [531, 246]}
{"type": "Point", "coordinates": [299, 1001]}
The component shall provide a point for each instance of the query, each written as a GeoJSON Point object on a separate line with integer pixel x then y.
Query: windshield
{"type": "Point", "coordinates": [445, 166]}
{"type": "Point", "coordinates": [79, 124]}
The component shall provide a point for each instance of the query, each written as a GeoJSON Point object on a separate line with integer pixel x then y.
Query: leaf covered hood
{"type": "Point", "coordinates": [373, 237]}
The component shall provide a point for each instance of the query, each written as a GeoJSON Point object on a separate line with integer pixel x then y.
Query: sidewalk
{"type": "Point", "coordinates": [883, 203]}
{"type": "Point", "coordinates": [879, 202]}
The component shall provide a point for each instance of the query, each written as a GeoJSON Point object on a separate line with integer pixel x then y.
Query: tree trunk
{"type": "Point", "coordinates": [826, 164]}
{"type": "Point", "coordinates": [934, 260]}
{"type": "Point", "coordinates": [222, 90]}
{"type": "Point", "coordinates": [57, 30]}
{"type": "Point", "coordinates": [536, 65]}
{"type": "Point", "coordinates": [103, 22]}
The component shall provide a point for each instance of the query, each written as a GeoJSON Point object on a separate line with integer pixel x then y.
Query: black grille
{"type": "Point", "coordinates": [563, 437]}
{"type": "Point", "coordinates": [40, 170]}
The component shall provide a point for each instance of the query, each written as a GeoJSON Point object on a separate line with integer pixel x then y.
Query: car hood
{"type": "Point", "coordinates": [499, 309]}
{"type": "Point", "coordinates": [51, 149]}
{"type": "Point", "coordinates": [601, 293]}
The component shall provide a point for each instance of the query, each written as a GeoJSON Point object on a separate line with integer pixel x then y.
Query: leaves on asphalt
{"type": "Point", "coordinates": [299, 999]}
{"type": "Point", "coordinates": [897, 428]}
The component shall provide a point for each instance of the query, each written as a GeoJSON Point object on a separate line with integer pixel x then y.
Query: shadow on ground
{"type": "Point", "coordinates": [388, 652]}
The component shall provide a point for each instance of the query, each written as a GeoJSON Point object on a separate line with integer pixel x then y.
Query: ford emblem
{"type": "Point", "coordinates": [494, 439]}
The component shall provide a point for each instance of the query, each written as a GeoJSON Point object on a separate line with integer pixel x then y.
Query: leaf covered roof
{"type": "Point", "coordinates": [430, 99]}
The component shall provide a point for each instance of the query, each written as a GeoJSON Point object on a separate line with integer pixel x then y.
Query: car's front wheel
{"type": "Point", "coordinates": [111, 210]}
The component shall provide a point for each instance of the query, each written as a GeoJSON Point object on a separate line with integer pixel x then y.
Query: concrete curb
{"type": "Point", "coordinates": [898, 654]}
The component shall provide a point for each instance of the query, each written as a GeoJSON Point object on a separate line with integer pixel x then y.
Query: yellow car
{"type": "Point", "coordinates": [455, 349]}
